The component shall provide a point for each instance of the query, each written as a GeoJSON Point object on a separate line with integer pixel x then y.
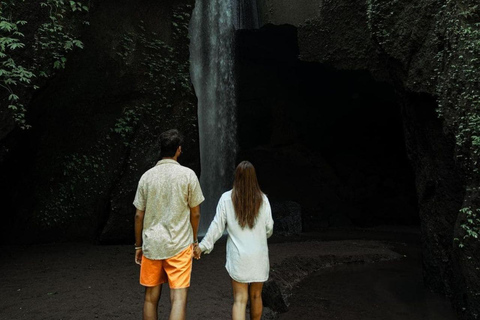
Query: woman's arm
{"type": "Point", "coordinates": [269, 219]}
{"type": "Point", "coordinates": [215, 231]}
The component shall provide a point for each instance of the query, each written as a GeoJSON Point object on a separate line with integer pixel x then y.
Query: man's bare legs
{"type": "Point", "coordinates": [178, 299]}
{"type": "Point", "coordinates": [256, 304]}
{"type": "Point", "coordinates": [150, 307]}
{"type": "Point", "coordinates": [240, 299]}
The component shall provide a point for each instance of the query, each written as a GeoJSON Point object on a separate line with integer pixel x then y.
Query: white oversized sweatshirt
{"type": "Point", "coordinates": [247, 249]}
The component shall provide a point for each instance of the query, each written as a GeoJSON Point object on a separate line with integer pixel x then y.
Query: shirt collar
{"type": "Point", "coordinates": [166, 161]}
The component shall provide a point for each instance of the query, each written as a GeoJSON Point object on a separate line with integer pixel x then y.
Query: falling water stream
{"type": "Point", "coordinates": [212, 60]}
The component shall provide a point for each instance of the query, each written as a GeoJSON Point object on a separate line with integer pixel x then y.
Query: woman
{"type": "Point", "coordinates": [245, 212]}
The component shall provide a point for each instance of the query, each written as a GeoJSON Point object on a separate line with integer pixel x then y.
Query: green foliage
{"type": "Point", "coordinates": [51, 42]}
{"type": "Point", "coordinates": [56, 35]}
{"type": "Point", "coordinates": [458, 94]}
{"type": "Point", "coordinates": [471, 226]}
{"type": "Point", "coordinates": [77, 6]}
{"type": "Point", "coordinates": [126, 123]}
{"type": "Point", "coordinates": [164, 67]}
{"type": "Point", "coordinates": [458, 87]}
{"type": "Point", "coordinates": [80, 171]}
{"type": "Point", "coordinates": [12, 74]}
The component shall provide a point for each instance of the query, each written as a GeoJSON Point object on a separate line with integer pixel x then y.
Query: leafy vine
{"type": "Point", "coordinates": [52, 40]}
{"type": "Point", "coordinates": [458, 94]}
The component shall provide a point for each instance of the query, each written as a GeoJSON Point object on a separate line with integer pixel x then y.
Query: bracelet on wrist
{"type": "Point", "coordinates": [196, 241]}
{"type": "Point", "coordinates": [138, 247]}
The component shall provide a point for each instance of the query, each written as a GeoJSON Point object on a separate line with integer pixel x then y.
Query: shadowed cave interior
{"type": "Point", "coordinates": [330, 140]}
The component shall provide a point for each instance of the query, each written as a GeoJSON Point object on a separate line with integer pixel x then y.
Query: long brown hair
{"type": "Point", "coordinates": [246, 195]}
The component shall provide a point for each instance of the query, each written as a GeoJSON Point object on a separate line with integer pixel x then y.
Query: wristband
{"type": "Point", "coordinates": [138, 248]}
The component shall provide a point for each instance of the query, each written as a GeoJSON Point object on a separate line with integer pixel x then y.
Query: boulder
{"type": "Point", "coordinates": [287, 216]}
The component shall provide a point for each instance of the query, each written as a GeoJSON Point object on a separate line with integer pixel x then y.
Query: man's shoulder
{"type": "Point", "coordinates": [148, 173]}
{"type": "Point", "coordinates": [187, 171]}
{"type": "Point", "coordinates": [177, 170]}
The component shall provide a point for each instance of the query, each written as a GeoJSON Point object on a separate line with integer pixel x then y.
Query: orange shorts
{"type": "Point", "coordinates": [177, 270]}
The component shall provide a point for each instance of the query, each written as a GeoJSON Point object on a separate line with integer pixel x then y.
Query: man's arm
{"type": "Point", "coordinates": [139, 215]}
{"type": "Point", "coordinates": [194, 220]}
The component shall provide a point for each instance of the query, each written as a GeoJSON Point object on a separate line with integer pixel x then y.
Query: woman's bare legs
{"type": "Point", "coordinates": [240, 298]}
{"type": "Point", "coordinates": [241, 292]}
{"type": "Point", "coordinates": [256, 304]}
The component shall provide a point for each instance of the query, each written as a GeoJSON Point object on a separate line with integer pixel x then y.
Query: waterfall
{"type": "Point", "coordinates": [246, 14]}
{"type": "Point", "coordinates": [212, 72]}
{"type": "Point", "coordinates": [212, 61]}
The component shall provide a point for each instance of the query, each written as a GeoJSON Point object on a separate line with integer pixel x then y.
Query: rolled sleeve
{"type": "Point", "coordinates": [140, 201]}
{"type": "Point", "coordinates": [195, 195]}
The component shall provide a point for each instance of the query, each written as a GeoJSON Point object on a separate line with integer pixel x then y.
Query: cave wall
{"type": "Point", "coordinates": [355, 35]}
{"type": "Point", "coordinates": [440, 188]}
{"type": "Point", "coordinates": [95, 126]}
{"type": "Point", "coordinates": [424, 49]}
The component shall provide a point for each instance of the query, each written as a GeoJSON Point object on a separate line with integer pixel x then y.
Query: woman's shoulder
{"type": "Point", "coordinates": [226, 196]}
{"type": "Point", "coordinates": [265, 198]}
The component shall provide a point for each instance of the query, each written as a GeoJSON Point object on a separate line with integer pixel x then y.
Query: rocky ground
{"type": "Point", "coordinates": [339, 274]}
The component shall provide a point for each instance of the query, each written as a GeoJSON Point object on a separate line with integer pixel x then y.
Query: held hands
{"type": "Point", "coordinates": [197, 252]}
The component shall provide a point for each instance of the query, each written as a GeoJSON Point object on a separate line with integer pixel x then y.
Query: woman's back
{"type": "Point", "coordinates": [247, 250]}
{"type": "Point", "coordinates": [246, 237]}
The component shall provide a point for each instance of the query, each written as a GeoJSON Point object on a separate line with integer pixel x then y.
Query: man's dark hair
{"type": "Point", "coordinates": [169, 142]}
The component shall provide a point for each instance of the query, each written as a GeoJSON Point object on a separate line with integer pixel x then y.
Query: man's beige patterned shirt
{"type": "Point", "coordinates": [166, 193]}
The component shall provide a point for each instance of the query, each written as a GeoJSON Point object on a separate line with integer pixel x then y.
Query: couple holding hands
{"type": "Point", "coordinates": [168, 202]}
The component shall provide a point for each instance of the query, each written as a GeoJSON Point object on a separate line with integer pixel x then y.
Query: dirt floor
{"type": "Point", "coordinates": [337, 274]}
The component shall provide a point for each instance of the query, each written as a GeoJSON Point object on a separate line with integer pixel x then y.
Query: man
{"type": "Point", "coordinates": [166, 224]}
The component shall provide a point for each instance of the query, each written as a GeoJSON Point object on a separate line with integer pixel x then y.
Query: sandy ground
{"type": "Point", "coordinates": [84, 281]}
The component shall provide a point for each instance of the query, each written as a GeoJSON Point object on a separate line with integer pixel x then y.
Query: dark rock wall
{"type": "Point", "coordinates": [95, 126]}
{"type": "Point", "coordinates": [424, 49]}
{"type": "Point", "coordinates": [440, 187]}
